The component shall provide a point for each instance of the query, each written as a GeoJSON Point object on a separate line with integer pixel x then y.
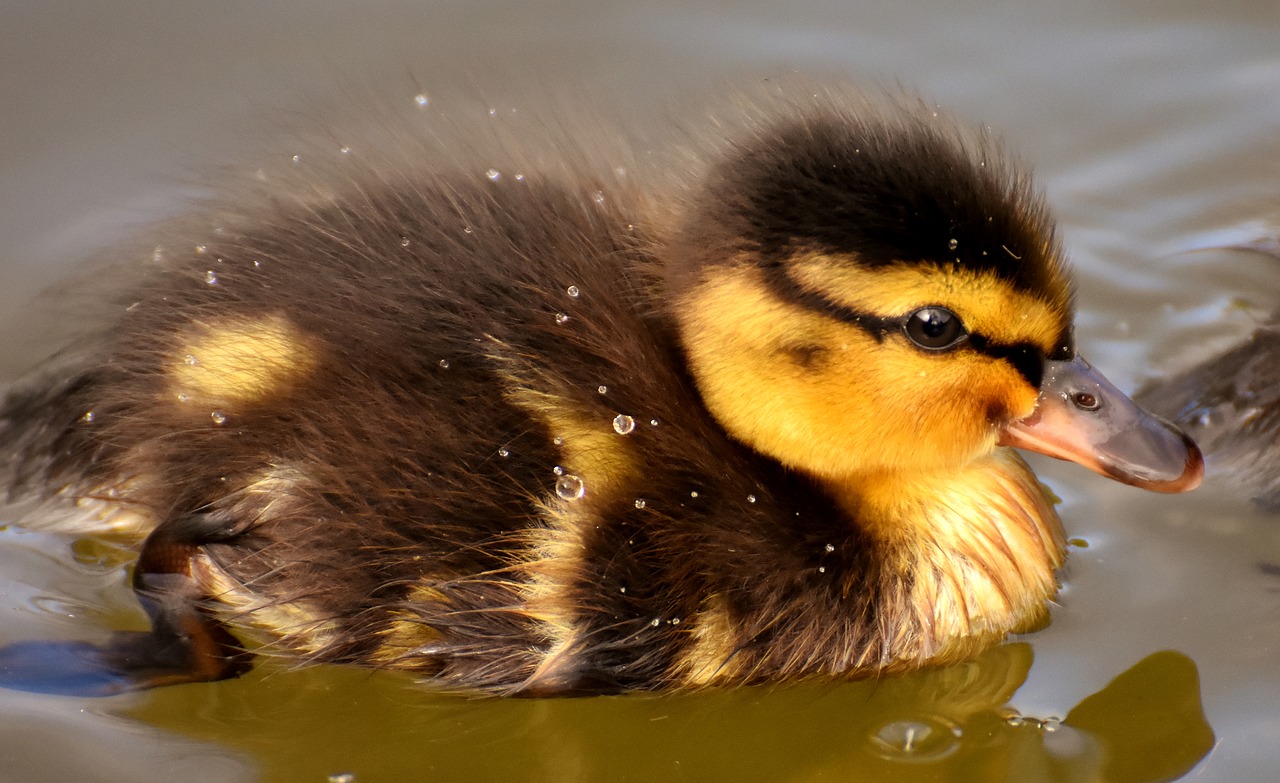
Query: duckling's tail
{"type": "Point", "coordinates": [52, 462]}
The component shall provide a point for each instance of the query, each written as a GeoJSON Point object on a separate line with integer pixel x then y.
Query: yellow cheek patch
{"type": "Point", "coordinates": [861, 405]}
{"type": "Point", "coordinates": [986, 303]}
{"type": "Point", "coordinates": [240, 360]}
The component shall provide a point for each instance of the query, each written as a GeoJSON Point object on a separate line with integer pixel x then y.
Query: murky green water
{"type": "Point", "coordinates": [1155, 126]}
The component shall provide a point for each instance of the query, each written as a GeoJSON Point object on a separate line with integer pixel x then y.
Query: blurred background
{"type": "Point", "coordinates": [1155, 129]}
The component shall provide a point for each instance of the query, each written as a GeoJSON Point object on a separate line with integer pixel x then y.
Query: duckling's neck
{"type": "Point", "coordinates": [970, 553]}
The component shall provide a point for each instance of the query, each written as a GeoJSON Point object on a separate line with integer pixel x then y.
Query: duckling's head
{"type": "Point", "coordinates": [867, 288]}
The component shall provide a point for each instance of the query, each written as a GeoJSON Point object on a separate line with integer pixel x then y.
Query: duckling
{"type": "Point", "coordinates": [1231, 401]}
{"type": "Point", "coordinates": [558, 434]}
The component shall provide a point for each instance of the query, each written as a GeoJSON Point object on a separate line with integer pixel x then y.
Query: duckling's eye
{"type": "Point", "coordinates": [935, 328]}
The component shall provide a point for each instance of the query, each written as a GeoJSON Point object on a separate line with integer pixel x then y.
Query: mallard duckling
{"type": "Point", "coordinates": [550, 434]}
{"type": "Point", "coordinates": [1232, 403]}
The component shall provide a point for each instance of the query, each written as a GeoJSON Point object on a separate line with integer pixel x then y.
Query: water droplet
{"type": "Point", "coordinates": [693, 494]}
{"type": "Point", "coordinates": [602, 389]}
{"type": "Point", "coordinates": [444, 364]}
{"type": "Point", "coordinates": [202, 249]}
{"type": "Point", "coordinates": [623, 424]}
{"type": "Point", "coordinates": [519, 178]}
{"type": "Point", "coordinates": [558, 441]}
{"type": "Point", "coordinates": [297, 158]}
{"type": "Point", "coordinates": [345, 150]}
{"type": "Point", "coordinates": [466, 229]}
{"type": "Point", "coordinates": [559, 471]}
{"type": "Point", "coordinates": [561, 318]}
{"type": "Point", "coordinates": [829, 548]}
{"type": "Point", "coordinates": [157, 255]}
{"type": "Point", "coordinates": [493, 174]}
{"type": "Point", "coordinates": [926, 738]}
{"type": "Point", "coordinates": [182, 397]}
{"type": "Point", "coordinates": [493, 112]}
{"type": "Point", "coordinates": [504, 452]}
{"type": "Point", "coordinates": [342, 777]}
{"type": "Point", "coordinates": [598, 197]}
{"type": "Point", "coordinates": [953, 244]}
{"type": "Point", "coordinates": [653, 422]}
{"type": "Point", "coordinates": [210, 277]}
{"type": "Point", "coordinates": [570, 487]}
{"type": "Point", "coordinates": [640, 503]}
{"type": "Point", "coordinates": [191, 360]}
{"type": "Point", "coordinates": [218, 417]}
{"type": "Point", "coordinates": [572, 291]}
{"type": "Point", "coordinates": [421, 99]}
{"type": "Point", "coordinates": [257, 264]}
{"type": "Point", "coordinates": [1015, 720]}
{"type": "Point", "coordinates": [87, 418]}
{"type": "Point", "coordinates": [822, 569]}
{"type": "Point", "coordinates": [655, 622]}
{"type": "Point", "coordinates": [404, 241]}
{"type": "Point", "coordinates": [675, 620]}
{"type": "Point", "coordinates": [751, 498]}
{"type": "Point", "coordinates": [622, 589]}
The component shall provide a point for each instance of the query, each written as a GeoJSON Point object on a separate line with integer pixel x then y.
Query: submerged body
{"type": "Point", "coordinates": [536, 435]}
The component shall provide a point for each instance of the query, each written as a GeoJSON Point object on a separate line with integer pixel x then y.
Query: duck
{"type": "Point", "coordinates": [1230, 401]}
{"type": "Point", "coordinates": [557, 431]}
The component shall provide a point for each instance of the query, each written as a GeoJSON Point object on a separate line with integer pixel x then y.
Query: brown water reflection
{"type": "Point", "coordinates": [952, 724]}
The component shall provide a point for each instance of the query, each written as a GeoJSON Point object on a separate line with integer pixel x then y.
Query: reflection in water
{"type": "Point", "coordinates": [950, 724]}
{"type": "Point", "coordinates": [1149, 719]}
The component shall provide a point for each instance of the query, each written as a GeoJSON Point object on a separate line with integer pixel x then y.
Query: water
{"type": "Point", "coordinates": [570, 487]}
{"type": "Point", "coordinates": [1152, 125]}
{"type": "Point", "coordinates": [623, 424]}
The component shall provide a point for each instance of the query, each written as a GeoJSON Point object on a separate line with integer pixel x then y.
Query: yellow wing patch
{"type": "Point", "coordinates": [595, 465]}
{"type": "Point", "coordinates": [709, 659]}
{"type": "Point", "coordinates": [238, 361]}
{"type": "Point", "coordinates": [407, 633]}
{"type": "Point", "coordinates": [296, 626]}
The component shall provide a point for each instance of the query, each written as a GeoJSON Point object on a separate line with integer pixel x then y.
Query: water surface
{"type": "Point", "coordinates": [1155, 128]}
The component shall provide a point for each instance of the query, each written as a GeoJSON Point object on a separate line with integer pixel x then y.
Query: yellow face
{"type": "Point", "coordinates": [813, 388]}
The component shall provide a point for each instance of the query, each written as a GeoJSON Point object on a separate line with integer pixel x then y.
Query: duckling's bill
{"type": "Point", "coordinates": [1083, 418]}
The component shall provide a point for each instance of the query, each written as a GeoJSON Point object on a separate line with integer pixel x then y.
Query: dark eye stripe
{"type": "Point", "coordinates": [1026, 358]}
